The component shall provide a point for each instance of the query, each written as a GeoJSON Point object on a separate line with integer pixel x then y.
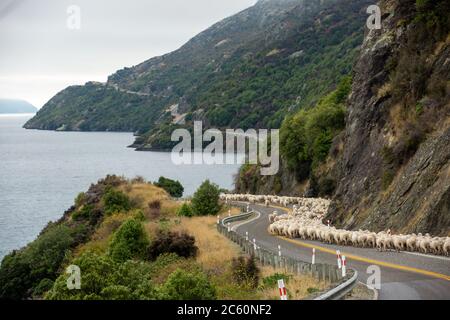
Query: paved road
{"type": "Point", "coordinates": [404, 275]}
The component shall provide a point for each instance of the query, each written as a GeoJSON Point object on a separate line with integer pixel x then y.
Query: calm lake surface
{"type": "Point", "coordinates": [41, 172]}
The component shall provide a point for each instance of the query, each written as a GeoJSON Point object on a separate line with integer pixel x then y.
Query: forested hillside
{"type": "Point", "coordinates": [247, 71]}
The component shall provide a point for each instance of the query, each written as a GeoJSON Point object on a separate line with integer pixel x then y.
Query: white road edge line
{"type": "Point", "coordinates": [426, 255]}
{"type": "Point", "coordinates": [258, 215]}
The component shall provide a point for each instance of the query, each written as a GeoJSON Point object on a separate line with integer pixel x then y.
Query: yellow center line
{"type": "Point", "coordinates": [363, 259]}
{"type": "Point", "coordinates": [369, 261]}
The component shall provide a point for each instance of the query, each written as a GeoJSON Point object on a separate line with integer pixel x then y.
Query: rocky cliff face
{"type": "Point", "coordinates": [394, 171]}
{"type": "Point", "coordinates": [390, 167]}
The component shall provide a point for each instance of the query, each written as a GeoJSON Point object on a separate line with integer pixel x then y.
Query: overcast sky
{"type": "Point", "coordinates": [40, 55]}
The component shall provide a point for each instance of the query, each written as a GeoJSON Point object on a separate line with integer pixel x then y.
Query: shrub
{"type": "Point", "coordinates": [181, 244]}
{"type": "Point", "coordinates": [80, 199]}
{"type": "Point", "coordinates": [84, 212]}
{"type": "Point", "coordinates": [43, 286]}
{"type": "Point", "coordinates": [272, 280]}
{"type": "Point", "coordinates": [312, 290]}
{"type": "Point", "coordinates": [182, 285]}
{"type": "Point", "coordinates": [245, 271]}
{"type": "Point", "coordinates": [115, 201]}
{"type": "Point", "coordinates": [23, 271]}
{"type": "Point", "coordinates": [139, 215]}
{"type": "Point", "coordinates": [185, 211]}
{"type": "Point", "coordinates": [129, 241]}
{"type": "Point", "coordinates": [206, 199]}
{"type": "Point", "coordinates": [103, 278]}
{"type": "Point", "coordinates": [154, 209]}
{"type": "Point", "coordinates": [173, 187]}
{"type": "Point", "coordinates": [138, 179]}
{"type": "Point", "coordinates": [306, 137]}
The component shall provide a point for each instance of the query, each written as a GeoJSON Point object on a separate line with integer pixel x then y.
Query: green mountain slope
{"type": "Point", "coordinates": [248, 70]}
{"type": "Point", "coordinates": [387, 165]}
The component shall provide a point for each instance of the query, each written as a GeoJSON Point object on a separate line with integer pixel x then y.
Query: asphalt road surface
{"type": "Point", "coordinates": [403, 275]}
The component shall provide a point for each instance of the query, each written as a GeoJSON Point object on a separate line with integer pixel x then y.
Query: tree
{"type": "Point", "coordinates": [183, 285]}
{"type": "Point", "coordinates": [22, 271]}
{"type": "Point", "coordinates": [115, 201]}
{"type": "Point", "coordinates": [206, 199]}
{"type": "Point", "coordinates": [185, 210]}
{"type": "Point", "coordinates": [173, 187]}
{"type": "Point", "coordinates": [129, 242]}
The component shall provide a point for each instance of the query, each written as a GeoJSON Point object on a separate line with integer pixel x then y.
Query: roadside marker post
{"type": "Point", "coordinates": [246, 235]}
{"type": "Point", "coordinates": [339, 262]}
{"type": "Point", "coordinates": [254, 244]}
{"type": "Point", "coordinates": [344, 267]}
{"type": "Point", "coordinates": [282, 289]}
{"type": "Point", "coordinates": [229, 212]}
{"type": "Point", "coordinates": [218, 219]}
{"type": "Point", "coordinates": [248, 208]}
{"type": "Point", "coordinates": [229, 228]}
{"type": "Point", "coordinates": [279, 250]}
{"type": "Point", "coordinates": [313, 261]}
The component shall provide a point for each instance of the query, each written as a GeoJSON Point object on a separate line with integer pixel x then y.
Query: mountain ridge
{"type": "Point", "coordinates": [247, 70]}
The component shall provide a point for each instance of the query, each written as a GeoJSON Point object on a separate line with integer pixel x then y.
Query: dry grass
{"type": "Point", "coordinates": [215, 251]}
{"type": "Point", "coordinates": [215, 254]}
{"type": "Point", "coordinates": [298, 286]}
{"type": "Point", "coordinates": [384, 90]}
{"type": "Point", "coordinates": [229, 210]}
{"type": "Point", "coordinates": [100, 239]}
{"type": "Point", "coordinates": [144, 193]}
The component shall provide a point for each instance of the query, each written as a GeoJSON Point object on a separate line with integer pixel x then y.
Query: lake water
{"type": "Point", "coordinates": [41, 172]}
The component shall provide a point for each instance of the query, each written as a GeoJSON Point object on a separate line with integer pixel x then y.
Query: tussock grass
{"type": "Point", "coordinates": [141, 194]}
{"type": "Point", "coordinates": [100, 239]}
{"type": "Point", "coordinates": [215, 251]}
{"type": "Point", "coordinates": [298, 286]}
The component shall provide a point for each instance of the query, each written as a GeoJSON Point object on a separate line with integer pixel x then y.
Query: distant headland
{"type": "Point", "coordinates": [16, 106]}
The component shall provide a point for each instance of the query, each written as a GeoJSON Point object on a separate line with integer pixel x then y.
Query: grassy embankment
{"type": "Point", "coordinates": [123, 235]}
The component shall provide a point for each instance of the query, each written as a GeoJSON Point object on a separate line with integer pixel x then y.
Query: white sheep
{"type": "Point", "coordinates": [306, 222]}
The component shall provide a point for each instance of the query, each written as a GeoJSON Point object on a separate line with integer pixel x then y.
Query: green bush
{"type": "Point", "coordinates": [22, 271]}
{"type": "Point", "coordinates": [306, 137]}
{"type": "Point", "coordinates": [183, 285]}
{"type": "Point", "coordinates": [80, 199]}
{"type": "Point", "coordinates": [43, 286]}
{"type": "Point", "coordinates": [206, 199]}
{"type": "Point", "coordinates": [115, 201]}
{"type": "Point", "coordinates": [103, 278]}
{"type": "Point", "coordinates": [272, 280]}
{"type": "Point", "coordinates": [84, 212]}
{"type": "Point", "coordinates": [312, 290]}
{"type": "Point", "coordinates": [174, 188]}
{"type": "Point", "coordinates": [181, 244]}
{"type": "Point", "coordinates": [185, 211]}
{"type": "Point", "coordinates": [129, 241]}
{"type": "Point", "coordinates": [245, 271]}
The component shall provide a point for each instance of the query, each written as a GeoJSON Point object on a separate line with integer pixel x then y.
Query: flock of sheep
{"type": "Point", "coordinates": [306, 222]}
